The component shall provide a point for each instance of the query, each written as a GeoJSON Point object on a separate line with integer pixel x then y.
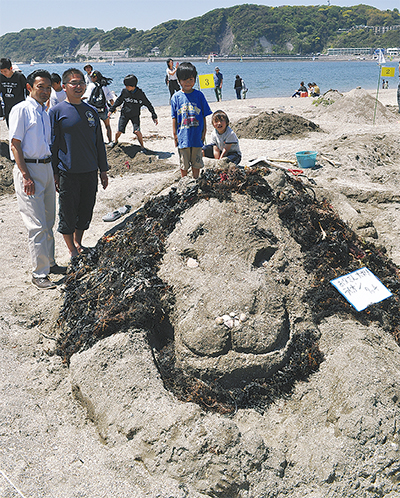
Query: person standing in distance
{"type": "Point", "coordinates": [171, 77]}
{"type": "Point", "coordinates": [88, 71]}
{"type": "Point", "coordinates": [98, 94]}
{"type": "Point", "coordinates": [57, 93]}
{"type": "Point", "coordinates": [218, 79]}
{"type": "Point", "coordinates": [78, 155]}
{"type": "Point", "coordinates": [29, 135]}
{"type": "Point", "coordinates": [12, 86]}
{"type": "Point", "coordinates": [238, 86]}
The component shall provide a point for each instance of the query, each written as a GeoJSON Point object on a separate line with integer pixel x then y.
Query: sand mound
{"type": "Point", "coordinates": [271, 126]}
{"type": "Point", "coordinates": [125, 158]}
{"type": "Point", "coordinates": [358, 106]}
{"type": "Point", "coordinates": [6, 167]}
{"type": "Point", "coordinates": [119, 286]}
{"type": "Point", "coordinates": [328, 98]}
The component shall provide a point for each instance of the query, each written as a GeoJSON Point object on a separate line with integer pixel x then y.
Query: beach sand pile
{"type": "Point", "coordinates": [358, 106]}
{"type": "Point", "coordinates": [105, 425]}
{"type": "Point", "coordinates": [6, 167]}
{"type": "Point", "coordinates": [271, 126]}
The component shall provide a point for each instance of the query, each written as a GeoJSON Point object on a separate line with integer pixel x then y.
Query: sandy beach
{"type": "Point", "coordinates": [158, 139]}
{"type": "Point", "coordinates": [48, 447]}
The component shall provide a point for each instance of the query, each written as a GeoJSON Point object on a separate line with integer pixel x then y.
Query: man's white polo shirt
{"type": "Point", "coordinates": [30, 123]}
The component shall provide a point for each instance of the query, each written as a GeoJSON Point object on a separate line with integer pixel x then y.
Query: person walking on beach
{"type": "Point", "coordinates": [29, 134]}
{"type": "Point", "coordinates": [238, 86]}
{"type": "Point", "coordinates": [78, 156]}
{"type": "Point", "coordinates": [189, 109]}
{"type": "Point", "coordinates": [12, 86]}
{"type": "Point", "coordinates": [98, 94]}
{"type": "Point", "coordinates": [171, 78]}
{"type": "Point", "coordinates": [218, 79]}
{"type": "Point", "coordinates": [132, 99]}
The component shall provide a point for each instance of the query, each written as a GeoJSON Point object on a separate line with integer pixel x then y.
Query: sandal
{"type": "Point", "coordinates": [114, 215]}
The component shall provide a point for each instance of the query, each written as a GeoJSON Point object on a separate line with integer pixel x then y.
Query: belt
{"type": "Point", "coordinates": [45, 161]}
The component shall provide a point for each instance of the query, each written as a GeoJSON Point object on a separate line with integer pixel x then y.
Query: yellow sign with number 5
{"type": "Point", "coordinates": [206, 81]}
{"type": "Point", "coordinates": [387, 72]}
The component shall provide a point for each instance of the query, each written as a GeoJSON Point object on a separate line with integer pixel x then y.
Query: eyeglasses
{"type": "Point", "coordinates": [76, 83]}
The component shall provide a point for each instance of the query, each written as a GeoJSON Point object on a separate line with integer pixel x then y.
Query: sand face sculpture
{"type": "Point", "coordinates": [239, 286]}
{"type": "Point", "coordinates": [230, 277]}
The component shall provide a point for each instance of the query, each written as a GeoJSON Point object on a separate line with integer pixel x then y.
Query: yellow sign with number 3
{"type": "Point", "coordinates": [206, 81]}
{"type": "Point", "coordinates": [387, 72]}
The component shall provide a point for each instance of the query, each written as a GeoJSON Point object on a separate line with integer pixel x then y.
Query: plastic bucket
{"type": "Point", "coordinates": [306, 158]}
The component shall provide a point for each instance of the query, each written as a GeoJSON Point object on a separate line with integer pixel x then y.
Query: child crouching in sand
{"type": "Point", "coordinates": [224, 142]}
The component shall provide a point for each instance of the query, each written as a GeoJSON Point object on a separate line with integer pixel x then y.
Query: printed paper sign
{"type": "Point", "coordinates": [206, 81]}
{"type": "Point", "coordinates": [387, 72]}
{"type": "Point", "coordinates": [361, 288]}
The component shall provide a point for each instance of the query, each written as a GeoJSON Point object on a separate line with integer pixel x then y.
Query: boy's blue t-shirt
{"type": "Point", "coordinates": [77, 142]}
{"type": "Point", "coordinates": [189, 110]}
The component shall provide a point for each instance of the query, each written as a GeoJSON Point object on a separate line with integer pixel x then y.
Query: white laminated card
{"type": "Point", "coordinates": [361, 288]}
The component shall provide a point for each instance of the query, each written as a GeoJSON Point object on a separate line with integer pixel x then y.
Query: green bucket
{"type": "Point", "coordinates": [306, 158]}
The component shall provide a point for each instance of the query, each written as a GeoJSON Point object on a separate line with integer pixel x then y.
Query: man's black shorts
{"type": "Point", "coordinates": [77, 198]}
{"type": "Point", "coordinates": [124, 120]}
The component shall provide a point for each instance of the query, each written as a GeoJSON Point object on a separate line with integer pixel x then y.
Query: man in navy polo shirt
{"type": "Point", "coordinates": [78, 157]}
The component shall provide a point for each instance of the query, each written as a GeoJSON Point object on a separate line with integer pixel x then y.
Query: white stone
{"type": "Point", "coordinates": [229, 323]}
{"type": "Point", "coordinates": [192, 263]}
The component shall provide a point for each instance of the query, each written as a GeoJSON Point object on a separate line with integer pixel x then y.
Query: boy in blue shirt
{"type": "Point", "coordinates": [189, 109]}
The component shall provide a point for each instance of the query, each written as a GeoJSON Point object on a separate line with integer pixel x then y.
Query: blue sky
{"type": "Point", "coordinates": [144, 14]}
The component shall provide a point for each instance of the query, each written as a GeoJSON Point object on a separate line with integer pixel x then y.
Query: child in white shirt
{"type": "Point", "coordinates": [224, 142]}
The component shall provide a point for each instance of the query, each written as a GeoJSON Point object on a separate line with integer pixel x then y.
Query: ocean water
{"type": "Point", "coordinates": [264, 79]}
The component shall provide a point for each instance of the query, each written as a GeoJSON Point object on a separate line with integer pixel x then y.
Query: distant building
{"type": "Point", "coordinates": [393, 51]}
{"type": "Point", "coordinates": [384, 29]}
{"type": "Point", "coordinates": [351, 51]}
{"type": "Point", "coordinates": [95, 53]}
{"type": "Point", "coordinates": [155, 51]}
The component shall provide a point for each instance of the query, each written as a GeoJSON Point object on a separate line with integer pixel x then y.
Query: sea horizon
{"type": "Point", "coordinates": [263, 78]}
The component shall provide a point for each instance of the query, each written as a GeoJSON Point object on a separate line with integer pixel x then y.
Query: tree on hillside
{"type": "Point", "coordinates": [242, 29]}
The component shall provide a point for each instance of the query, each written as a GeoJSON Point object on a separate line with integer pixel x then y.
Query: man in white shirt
{"type": "Point", "coordinates": [29, 134]}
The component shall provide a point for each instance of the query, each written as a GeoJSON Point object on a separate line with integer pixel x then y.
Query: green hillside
{"type": "Point", "coordinates": [240, 30]}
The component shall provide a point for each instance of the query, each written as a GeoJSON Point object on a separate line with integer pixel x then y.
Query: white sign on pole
{"type": "Point", "coordinates": [361, 288]}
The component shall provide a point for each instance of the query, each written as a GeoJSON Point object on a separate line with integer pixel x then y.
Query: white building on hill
{"type": "Point", "coordinates": [95, 53]}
